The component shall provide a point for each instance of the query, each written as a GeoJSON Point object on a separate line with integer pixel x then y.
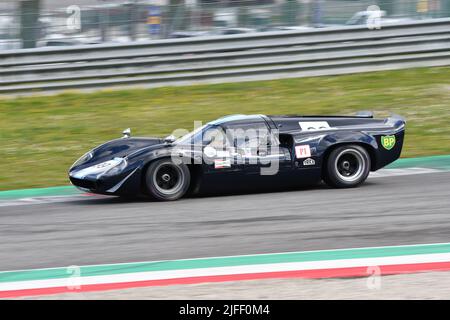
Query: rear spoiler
{"type": "Point", "coordinates": [396, 121]}
{"type": "Point", "coordinates": [397, 117]}
{"type": "Point", "coordinates": [364, 114]}
{"type": "Point", "coordinates": [369, 114]}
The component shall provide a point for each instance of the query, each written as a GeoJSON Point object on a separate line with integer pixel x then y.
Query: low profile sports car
{"type": "Point", "coordinates": [243, 152]}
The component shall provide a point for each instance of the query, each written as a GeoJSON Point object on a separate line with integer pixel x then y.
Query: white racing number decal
{"type": "Point", "coordinates": [302, 151]}
{"type": "Point", "coordinates": [209, 151]}
{"type": "Point", "coordinates": [314, 125]}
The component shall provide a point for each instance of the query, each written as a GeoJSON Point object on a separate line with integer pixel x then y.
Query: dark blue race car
{"type": "Point", "coordinates": [243, 152]}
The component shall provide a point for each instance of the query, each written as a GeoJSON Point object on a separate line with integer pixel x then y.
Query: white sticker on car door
{"type": "Point", "coordinates": [314, 125]}
{"type": "Point", "coordinates": [220, 164]}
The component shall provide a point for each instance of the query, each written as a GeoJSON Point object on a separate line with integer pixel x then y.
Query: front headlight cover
{"type": "Point", "coordinates": [119, 164]}
{"type": "Point", "coordinates": [109, 167]}
{"type": "Point", "coordinates": [83, 159]}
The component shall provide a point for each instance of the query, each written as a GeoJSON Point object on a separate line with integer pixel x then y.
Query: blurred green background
{"type": "Point", "coordinates": [41, 136]}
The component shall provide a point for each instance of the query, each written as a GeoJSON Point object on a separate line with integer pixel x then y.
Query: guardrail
{"type": "Point", "coordinates": [255, 56]}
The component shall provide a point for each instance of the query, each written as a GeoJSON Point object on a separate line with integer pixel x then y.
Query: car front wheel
{"type": "Point", "coordinates": [347, 166]}
{"type": "Point", "coordinates": [166, 180]}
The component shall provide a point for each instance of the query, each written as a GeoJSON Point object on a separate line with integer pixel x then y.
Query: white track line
{"type": "Point", "coordinates": [55, 199]}
{"type": "Point", "coordinates": [48, 199]}
{"type": "Point", "coordinates": [401, 172]}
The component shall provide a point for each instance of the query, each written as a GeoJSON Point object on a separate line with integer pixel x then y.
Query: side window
{"type": "Point", "coordinates": [250, 138]}
{"type": "Point", "coordinates": [216, 138]}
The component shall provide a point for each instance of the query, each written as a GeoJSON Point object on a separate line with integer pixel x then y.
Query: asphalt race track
{"type": "Point", "coordinates": [395, 210]}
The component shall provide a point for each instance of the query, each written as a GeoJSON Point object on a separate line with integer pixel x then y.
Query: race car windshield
{"type": "Point", "coordinates": [192, 137]}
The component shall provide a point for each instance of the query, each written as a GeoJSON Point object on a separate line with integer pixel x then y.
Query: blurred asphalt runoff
{"type": "Point", "coordinates": [386, 211]}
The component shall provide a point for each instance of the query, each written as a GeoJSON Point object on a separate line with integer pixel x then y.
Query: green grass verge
{"type": "Point", "coordinates": [41, 136]}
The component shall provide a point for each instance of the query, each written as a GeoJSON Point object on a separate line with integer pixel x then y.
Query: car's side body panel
{"type": "Point", "coordinates": [304, 144]}
{"type": "Point", "coordinates": [367, 132]}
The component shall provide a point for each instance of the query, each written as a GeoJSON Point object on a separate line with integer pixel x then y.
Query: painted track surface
{"type": "Point", "coordinates": [386, 211]}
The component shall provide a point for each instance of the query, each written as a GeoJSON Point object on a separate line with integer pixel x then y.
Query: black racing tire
{"type": "Point", "coordinates": [347, 166]}
{"type": "Point", "coordinates": [166, 180]}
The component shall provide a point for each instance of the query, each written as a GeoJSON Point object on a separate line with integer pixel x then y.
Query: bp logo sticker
{"type": "Point", "coordinates": [388, 142]}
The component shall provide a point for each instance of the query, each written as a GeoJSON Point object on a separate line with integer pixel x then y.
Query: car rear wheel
{"type": "Point", "coordinates": [166, 180]}
{"type": "Point", "coordinates": [347, 166]}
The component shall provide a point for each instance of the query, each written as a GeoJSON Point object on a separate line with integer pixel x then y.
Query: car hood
{"type": "Point", "coordinates": [119, 148]}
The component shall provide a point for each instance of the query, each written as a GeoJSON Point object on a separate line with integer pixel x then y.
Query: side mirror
{"type": "Point", "coordinates": [126, 133]}
{"type": "Point", "coordinates": [170, 139]}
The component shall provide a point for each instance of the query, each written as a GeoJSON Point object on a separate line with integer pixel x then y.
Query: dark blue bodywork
{"type": "Point", "coordinates": [130, 157]}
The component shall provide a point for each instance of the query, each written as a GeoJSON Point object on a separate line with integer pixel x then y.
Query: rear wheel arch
{"type": "Point", "coordinates": [369, 148]}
